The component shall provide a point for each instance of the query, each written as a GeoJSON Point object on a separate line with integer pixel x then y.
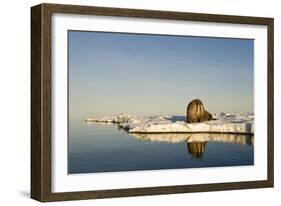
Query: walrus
{"type": "Point", "coordinates": [195, 112]}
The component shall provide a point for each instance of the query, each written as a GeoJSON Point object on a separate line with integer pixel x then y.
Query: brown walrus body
{"type": "Point", "coordinates": [196, 113]}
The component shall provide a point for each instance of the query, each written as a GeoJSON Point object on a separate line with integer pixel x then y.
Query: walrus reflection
{"type": "Point", "coordinates": [196, 149]}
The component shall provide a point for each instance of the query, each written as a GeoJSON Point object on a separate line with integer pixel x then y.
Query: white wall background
{"type": "Point", "coordinates": [15, 101]}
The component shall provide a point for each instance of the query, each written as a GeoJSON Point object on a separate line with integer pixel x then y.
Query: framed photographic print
{"type": "Point", "coordinates": [128, 102]}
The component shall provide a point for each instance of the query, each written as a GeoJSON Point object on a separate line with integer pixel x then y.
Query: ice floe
{"type": "Point", "coordinates": [242, 123]}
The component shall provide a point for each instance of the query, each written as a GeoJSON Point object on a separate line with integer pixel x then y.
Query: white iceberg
{"type": "Point", "coordinates": [242, 123]}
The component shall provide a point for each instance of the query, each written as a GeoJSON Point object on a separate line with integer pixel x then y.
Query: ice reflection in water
{"type": "Point", "coordinates": [196, 143]}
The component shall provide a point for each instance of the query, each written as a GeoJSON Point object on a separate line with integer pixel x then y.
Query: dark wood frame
{"type": "Point", "coordinates": [41, 101]}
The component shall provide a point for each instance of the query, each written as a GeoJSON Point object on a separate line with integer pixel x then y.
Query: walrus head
{"type": "Point", "coordinates": [207, 116]}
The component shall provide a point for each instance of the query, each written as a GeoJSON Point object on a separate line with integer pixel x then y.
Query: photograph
{"type": "Point", "coordinates": [134, 102]}
{"type": "Point", "coordinates": [139, 101]}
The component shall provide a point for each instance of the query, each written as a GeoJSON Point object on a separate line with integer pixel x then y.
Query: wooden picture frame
{"type": "Point", "coordinates": [41, 145]}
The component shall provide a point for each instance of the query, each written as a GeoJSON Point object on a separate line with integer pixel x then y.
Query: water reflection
{"type": "Point", "coordinates": [196, 149]}
{"type": "Point", "coordinates": [101, 147]}
{"type": "Point", "coordinates": [196, 137]}
{"type": "Point", "coordinates": [196, 143]}
{"type": "Point", "coordinates": [106, 124]}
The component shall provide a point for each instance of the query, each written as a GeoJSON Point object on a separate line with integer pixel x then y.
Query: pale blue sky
{"type": "Point", "coordinates": [111, 73]}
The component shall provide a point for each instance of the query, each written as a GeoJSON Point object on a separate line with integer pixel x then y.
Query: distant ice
{"type": "Point", "coordinates": [242, 123]}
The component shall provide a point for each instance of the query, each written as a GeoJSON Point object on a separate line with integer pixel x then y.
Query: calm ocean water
{"type": "Point", "coordinates": [100, 147]}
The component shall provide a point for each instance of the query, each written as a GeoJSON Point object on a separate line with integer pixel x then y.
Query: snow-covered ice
{"type": "Point", "coordinates": [224, 123]}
